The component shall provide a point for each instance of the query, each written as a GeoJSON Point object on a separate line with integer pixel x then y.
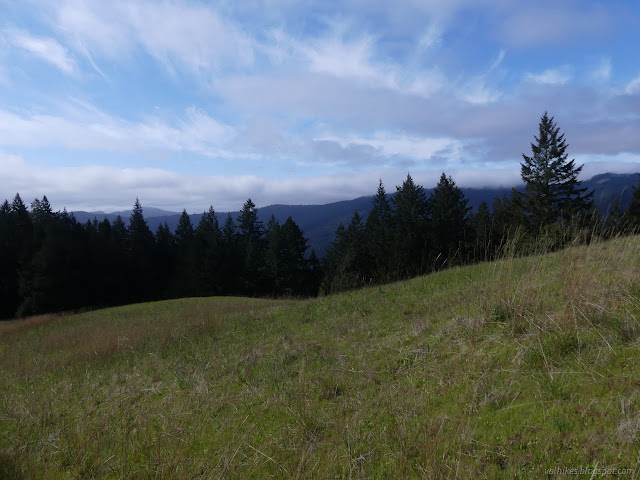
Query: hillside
{"type": "Point", "coordinates": [497, 370]}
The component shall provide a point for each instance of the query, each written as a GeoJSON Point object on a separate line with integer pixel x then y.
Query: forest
{"type": "Point", "coordinates": [50, 262]}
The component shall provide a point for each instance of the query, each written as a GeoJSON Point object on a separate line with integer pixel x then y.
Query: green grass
{"type": "Point", "coordinates": [497, 370]}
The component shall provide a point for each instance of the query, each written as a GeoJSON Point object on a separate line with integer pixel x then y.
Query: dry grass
{"type": "Point", "coordinates": [12, 327]}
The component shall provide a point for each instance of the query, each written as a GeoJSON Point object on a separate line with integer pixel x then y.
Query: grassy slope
{"type": "Point", "coordinates": [495, 370]}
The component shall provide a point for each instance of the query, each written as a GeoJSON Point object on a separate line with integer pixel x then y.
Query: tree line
{"type": "Point", "coordinates": [50, 262]}
{"type": "Point", "coordinates": [411, 234]}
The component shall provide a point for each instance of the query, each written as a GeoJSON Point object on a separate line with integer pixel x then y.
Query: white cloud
{"type": "Point", "coordinates": [90, 129]}
{"type": "Point", "coordinates": [178, 34]}
{"type": "Point", "coordinates": [431, 38]}
{"type": "Point", "coordinates": [552, 76]}
{"type": "Point", "coordinates": [193, 35]}
{"type": "Point", "coordinates": [602, 72]}
{"type": "Point", "coordinates": [46, 49]}
{"type": "Point", "coordinates": [476, 90]}
{"type": "Point", "coordinates": [633, 86]}
{"type": "Point", "coordinates": [419, 149]}
{"type": "Point", "coordinates": [354, 58]}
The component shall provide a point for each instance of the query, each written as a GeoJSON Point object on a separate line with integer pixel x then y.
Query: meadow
{"type": "Point", "coordinates": [501, 369]}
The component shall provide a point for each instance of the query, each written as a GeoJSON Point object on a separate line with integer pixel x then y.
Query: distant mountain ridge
{"type": "Point", "coordinates": [319, 222]}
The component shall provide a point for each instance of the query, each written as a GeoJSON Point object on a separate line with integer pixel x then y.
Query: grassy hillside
{"type": "Point", "coordinates": [498, 370]}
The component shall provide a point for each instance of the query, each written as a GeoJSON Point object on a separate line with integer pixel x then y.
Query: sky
{"type": "Point", "coordinates": [187, 104]}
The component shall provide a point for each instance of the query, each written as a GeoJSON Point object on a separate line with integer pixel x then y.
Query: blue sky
{"type": "Point", "coordinates": [187, 104]}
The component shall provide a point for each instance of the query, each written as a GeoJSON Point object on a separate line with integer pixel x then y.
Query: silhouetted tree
{"type": "Point", "coordinates": [347, 259]}
{"type": "Point", "coordinates": [448, 212]}
{"type": "Point", "coordinates": [481, 225]}
{"type": "Point", "coordinates": [165, 259]}
{"type": "Point", "coordinates": [252, 245]}
{"type": "Point", "coordinates": [379, 234]}
{"type": "Point", "coordinates": [231, 260]}
{"type": "Point", "coordinates": [207, 245]}
{"type": "Point", "coordinates": [633, 210]}
{"type": "Point", "coordinates": [411, 249]}
{"type": "Point", "coordinates": [141, 248]}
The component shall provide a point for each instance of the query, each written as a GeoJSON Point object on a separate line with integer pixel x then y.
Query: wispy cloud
{"type": "Point", "coordinates": [44, 48]}
{"type": "Point", "coordinates": [602, 71]}
{"type": "Point", "coordinates": [91, 129]}
{"type": "Point", "coordinates": [178, 34]}
{"type": "Point", "coordinates": [633, 86]}
{"type": "Point", "coordinates": [354, 57]}
{"type": "Point", "coordinates": [552, 76]}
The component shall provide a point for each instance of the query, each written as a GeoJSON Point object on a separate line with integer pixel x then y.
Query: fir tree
{"type": "Point", "coordinates": [141, 249]}
{"type": "Point", "coordinates": [314, 275]}
{"type": "Point", "coordinates": [8, 264]}
{"type": "Point", "coordinates": [207, 254]}
{"type": "Point", "coordinates": [481, 224]}
{"type": "Point", "coordinates": [252, 247]}
{"type": "Point", "coordinates": [552, 189]}
{"type": "Point", "coordinates": [633, 209]}
{"type": "Point", "coordinates": [273, 256]}
{"type": "Point", "coordinates": [347, 263]}
{"type": "Point", "coordinates": [41, 210]}
{"type": "Point", "coordinates": [410, 229]}
{"type": "Point", "coordinates": [184, 231]}
{"type": "Point", "coordinates": [230, 263]}
{"type": "Point", "coordinates": [379, 231]}
{"type": "Point", "coordinates": [186, 277]}
{"type": "Point", "coordinates": [165, 258]}
{"type": "Point", "coordinates": [617, 220]}
{"type": "Point", "coordinates": [293, 265]}
{"type": "Point", "coordinates": [448, 212]}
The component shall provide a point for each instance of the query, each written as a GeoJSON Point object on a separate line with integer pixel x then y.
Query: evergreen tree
{"type": "Point", "coordinates": [347, 264]}
{"type": "Point", "coordinates": [378, 233]}
{"type": "Point", "coordinates": [20, 249]}
{"type": "Point", "coordinates": [331, 264]}
{"type": "Point", "coordinates": [616, 221]}
{"type": "Point", "coordinates": [448, 212]}
{"type": "Point", "coordinates": [186, 276]}
{"type": "Point", "coordinates": [8, 264]}
{"type": "Point", "coordinates": [314, 275]}
{"type": "Point", "coordinates": [141, 250]}
{"type": "Point", "coordinates": [506, 219]}
{"type": "Point", "coordinates": [293, 264]}
{"type": "Point", "coordinates": [230, 263]}
{"type": "Point", "coordinates": [410, 229]}
{"type": "Point", "coordinates": [633, 210]}
{"type": "Point", "coordinates": [252, 248]}
{"type": "Point", "coordinates": [481, 225]}
{"type": "Point", "coordinates": [184, 231]}
{"type": "Point", "coordinates": [119, 231]}
{"type": "Point", "coordinates": [23, 228]}
{"type": "Point", "coordinates": [165, 258]}
{"type": "Point", "coordinates": [41, 211]}
{"type": "Point", "coordinates": [207, 244]}
{"type": "Point", "coordinates": [552, 189]}
{"type": "Point", "coordinates": [273, 256]}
